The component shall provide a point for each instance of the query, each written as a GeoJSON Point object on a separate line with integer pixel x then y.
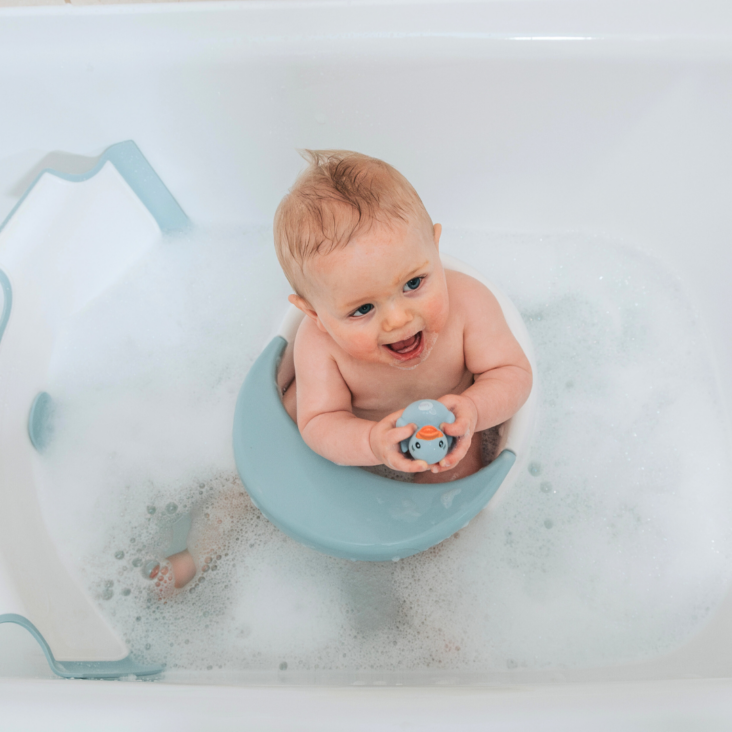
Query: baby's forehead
{"type": "Point", "coordinates": [364, 268]}
{"type": "Point", "coordinates": [386, 247]}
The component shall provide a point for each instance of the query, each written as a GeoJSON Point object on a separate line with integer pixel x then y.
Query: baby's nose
{"type": "Point", "coordinates": [396, 318]}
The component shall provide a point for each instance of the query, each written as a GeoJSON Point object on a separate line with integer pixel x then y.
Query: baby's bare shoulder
{"type": "Point", "coordinates": [312, 342]}
{"type": "Point", "coordinates": [471, 297]}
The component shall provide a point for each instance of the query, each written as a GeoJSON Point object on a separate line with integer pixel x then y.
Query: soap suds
{"type": "Point", "coordinates": [611, 546]}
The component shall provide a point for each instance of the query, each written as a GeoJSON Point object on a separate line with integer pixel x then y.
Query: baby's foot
{"type": "Point", "coordinates": [173, 573]}
{"type": "Point", "coordinates": [209, 534]}
{"type": "Point", "coordinates": [180, 565]}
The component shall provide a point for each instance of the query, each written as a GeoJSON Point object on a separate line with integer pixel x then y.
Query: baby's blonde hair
{"type": "Point", "coordinates": [340, 194]}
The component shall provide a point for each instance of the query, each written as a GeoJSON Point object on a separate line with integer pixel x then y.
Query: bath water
{"type": "Point", "coordinates": [612, 546]}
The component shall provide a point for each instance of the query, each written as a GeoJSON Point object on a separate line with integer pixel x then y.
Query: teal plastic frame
{"type": "Point", "coordinates": [82, 669]}
{"type": "Point", "coordinates": [138, 174]}
{"type": "Point", "coordinates": [170, 217]}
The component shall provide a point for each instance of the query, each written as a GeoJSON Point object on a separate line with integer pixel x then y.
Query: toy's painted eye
{"type": "Point", "coordinates": [413, 284]}
{"type": "Point", "coordinates": [417, 445]}
{"type": "Point", "coordinates": [363, 310]}
{"type": "Point", "coordinates": [442, 444]}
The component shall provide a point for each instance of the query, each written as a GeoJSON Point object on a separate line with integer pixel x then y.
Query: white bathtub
{"type": "Point", "coordinates": [607, 118]}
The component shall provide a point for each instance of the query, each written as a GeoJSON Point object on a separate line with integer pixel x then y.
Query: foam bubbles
{"type": "Point", "coordinates": [611, 546]}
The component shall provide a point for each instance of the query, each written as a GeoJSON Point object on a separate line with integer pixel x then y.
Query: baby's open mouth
{"type": "Point", "coordinates": [408, 348]}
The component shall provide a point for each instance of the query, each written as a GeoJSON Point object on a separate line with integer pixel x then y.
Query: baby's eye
{"type": "Point", "coordinates": [363, 310]}
{"type": "Point", "coordinates": [413, 284]}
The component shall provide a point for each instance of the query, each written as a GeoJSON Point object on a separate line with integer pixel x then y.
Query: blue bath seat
{"type": "Point", "coordinates": [342, 511]}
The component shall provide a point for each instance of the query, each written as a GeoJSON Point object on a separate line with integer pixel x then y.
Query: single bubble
{"type": "Point", "coordinates": [283, 666]}
{"type": "Point", "coordinates": [119, 555]}
{"type": "Point", "coordinates": [214, 566]}
{"type": "Point", "coordinates": [208, 668]}
{"type": "Point", "coordinates": [132, 540]}
{"type": "Point", "coordinates": [138, 618]}
{"type": "Point", "coordinates": [545, 487]}
{"type": "Point", "coordinates": [171, 507]}
{"type": "Point", "coordinates": [151, 510]}
{"type": "Point", "coordinates": [109, 583]}
{"type": "Point", "coordinates": [137, 562]}
{"type": "Point", "coordinates": [535, 468]}
{"type": "Point", "coordinates": [107, 594]}
{"type": "Point", "coordinates": [147, 646]}
{"type": "Point", "coordinates": [126, 591]}
{"type": "Point", "coordinates": [149, 567]}
{"type": "Point", "coordinates": [548, 523]}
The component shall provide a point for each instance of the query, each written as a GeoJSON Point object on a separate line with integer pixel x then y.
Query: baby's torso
{"type": "Point", "coordinates": [376, 393]}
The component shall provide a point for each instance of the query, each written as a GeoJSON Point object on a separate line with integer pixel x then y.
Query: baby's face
{"type": "Point", "coordinates": [382, 298]}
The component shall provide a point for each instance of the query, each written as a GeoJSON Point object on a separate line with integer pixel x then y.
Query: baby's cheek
{"type": "Point", "coordinates": [436, 312]}
{"type": "Point", "coordinates": [362, 346]}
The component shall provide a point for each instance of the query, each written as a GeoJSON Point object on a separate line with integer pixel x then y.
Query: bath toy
{"type": "Point", "coordinates": [346, 511]}
{"type": "Point", "coordinates": [428, 442]}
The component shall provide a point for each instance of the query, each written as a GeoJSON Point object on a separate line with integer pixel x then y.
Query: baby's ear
{"type": "Point", "coordinates": [302, 304]}
{"type": "Point", "coordinates": [437, 233]}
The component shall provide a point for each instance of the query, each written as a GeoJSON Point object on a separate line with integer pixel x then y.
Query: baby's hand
{"type": "Point", "coordinates": [463, 429]}
{"type": "Point", "coordinates": [385, 438]}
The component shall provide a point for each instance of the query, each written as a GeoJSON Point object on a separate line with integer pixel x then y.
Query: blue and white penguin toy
{"type": "Point", "coordinates": [429, 442]}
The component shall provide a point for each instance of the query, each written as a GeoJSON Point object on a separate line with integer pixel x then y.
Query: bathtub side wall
{"type": "Point", "coordinates": [603, 121]}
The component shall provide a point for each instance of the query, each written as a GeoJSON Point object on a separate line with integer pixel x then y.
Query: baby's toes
{"type": "Point", "coordinates": [183, 567]}
{"type": "Point", "coordinates": [162, 576]}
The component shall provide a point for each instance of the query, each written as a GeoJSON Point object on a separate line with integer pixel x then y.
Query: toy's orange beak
{"type": "Point", "coordinates": [428, 432]}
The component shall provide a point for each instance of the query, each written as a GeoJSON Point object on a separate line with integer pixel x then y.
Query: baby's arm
{"type": "Point", "coordinates": [325, 417]}
{"type": "Point", "coordinates": [502, 371]}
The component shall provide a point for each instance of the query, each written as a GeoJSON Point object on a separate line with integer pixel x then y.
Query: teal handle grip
{"type": "Point", "coordinates": [83, 669]}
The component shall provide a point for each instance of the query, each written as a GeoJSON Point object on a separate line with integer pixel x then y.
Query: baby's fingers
{"type": "Point", "coordinates": [397, 434]}
{"type": "Point", "coordinates": [458, 428]}
{"type": "Point", "coordinates": [455, 455]}
{"type": "Point", "coordinates": [466, 415]}
{"type": "Point", "coordinates": [397, 461]}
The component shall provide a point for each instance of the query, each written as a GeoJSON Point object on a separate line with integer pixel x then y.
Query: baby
{"type": "Point", "coordinates": [386, 325]}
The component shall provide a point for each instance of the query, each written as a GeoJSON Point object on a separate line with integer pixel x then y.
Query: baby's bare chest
{"type": "Point", "coordinates": [378, 390]}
